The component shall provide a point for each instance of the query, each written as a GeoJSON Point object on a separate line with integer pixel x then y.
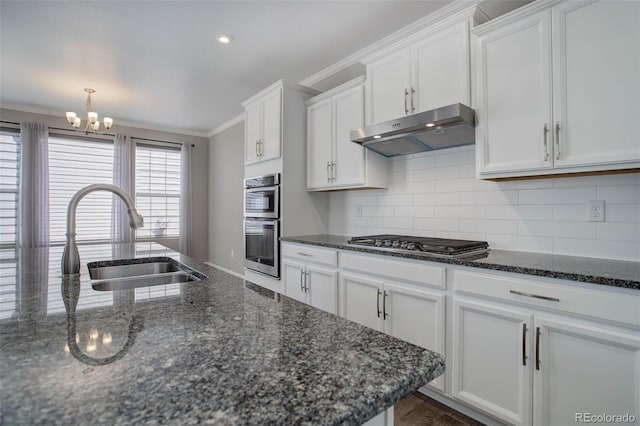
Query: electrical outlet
{"type": "Point", "coordinates": [359, 210]}
{"type": "Point", "coordinates": [596, 211]}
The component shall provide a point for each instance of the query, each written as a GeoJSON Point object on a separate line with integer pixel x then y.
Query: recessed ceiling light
{"type": "Point", "coordinates": [224, 39]}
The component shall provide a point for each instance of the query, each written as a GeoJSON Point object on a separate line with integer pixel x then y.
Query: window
{"type": "Point", "coordinates": [158, 191]}
{"type": "Point", "coordinates": [73, 164]}
{"type": "Point", "coordinates": [9, 179]}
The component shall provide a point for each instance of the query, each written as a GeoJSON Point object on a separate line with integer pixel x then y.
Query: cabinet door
{"type": "Point", "coordinates": [293, 275]}
{"type": "Point", "coordinates": [322, 287]}
{"type": "Point", "coordinates": [596, 82]}
{"type": "Point", "coordinates": [362, 300]}
{"type": "Point", "coordinates": [441, 69]}
{"type": "Point", "coordinates": [348, 115]}
{"type": "Point", "coordinates": [271, 125]}
{"type": "Point", "coordinates": [416, 316]}
{"type": "Point", "coordinates": [491, 360]}
{"type": "Point", "coordinates": [319, 144]}
{"type": "Point", "coordinates": [585, 369]}
{"type": "Point", "coordinates": [388, 80]}
{"type": "Point", "coordinates": [252, 131]}
{"type": "Point", "coordinates": [513, 102]}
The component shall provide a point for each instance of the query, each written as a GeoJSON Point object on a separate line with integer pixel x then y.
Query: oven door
{"type": "Point", "coordinates": [262, 202]}
{"type": "Point", "coordinates": [262, 246]}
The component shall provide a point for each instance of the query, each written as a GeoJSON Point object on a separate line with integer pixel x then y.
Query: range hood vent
{"type": "Point", "coordinates": [440, 128]}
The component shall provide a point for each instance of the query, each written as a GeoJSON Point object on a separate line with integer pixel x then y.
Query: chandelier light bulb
{"type": "Point", "coordinates": [77, 122]}
{"type": "Point", "coordinates": [71, 117]}
{"type": "Point", "coordinates": [108, 122]}
{"type": "Point", "coordinates": [93, 117]}
{"type": "Point", "coordinates": [95, 126]}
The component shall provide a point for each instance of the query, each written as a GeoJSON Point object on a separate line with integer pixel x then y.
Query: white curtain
{"type": "Point", "coordinates": [124, 166]}
{"type": "Point", "coordinates": [34, 185]}
{"type": "Point", "coordinates": [185, 200]}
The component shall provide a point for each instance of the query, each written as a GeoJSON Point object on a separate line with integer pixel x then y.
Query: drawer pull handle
{"type": "Point", "coordinates": [304, 254]}
{"type": "Point", "coordinates": [378, 303]}
{"type": "Point", "coordinates": [524, 343]}
{"type": "Point", "coordinates": [535, 296]}
{"type": "Point", "coordinates": [537, 348]}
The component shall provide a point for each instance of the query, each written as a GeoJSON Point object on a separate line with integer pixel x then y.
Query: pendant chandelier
{"type": "Point", "coordinates": [92, 123]}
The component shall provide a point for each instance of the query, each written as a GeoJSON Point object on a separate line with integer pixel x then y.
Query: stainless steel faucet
{"type": "Point", "coordinates": [71, 257]}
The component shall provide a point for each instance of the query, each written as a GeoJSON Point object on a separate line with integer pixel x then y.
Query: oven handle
{"type": "Point", "coordinates": [262, 189]}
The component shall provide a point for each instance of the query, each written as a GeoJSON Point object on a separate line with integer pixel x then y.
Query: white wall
{"type": "Point", "coordinates": [226, 181]}
{"type": "Point", "coordinates": [436, 194]}
{"type": "Point", "coordinates": [200, 171]}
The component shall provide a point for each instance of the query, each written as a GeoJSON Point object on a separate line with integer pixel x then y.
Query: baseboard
{"type": "Point", "coordinates": [228, 271]}
{"type": "Point", "coordinates": [469, 412]}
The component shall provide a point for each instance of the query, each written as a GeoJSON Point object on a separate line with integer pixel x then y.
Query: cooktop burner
{"type": "Point", "coordinates": [432, 246]}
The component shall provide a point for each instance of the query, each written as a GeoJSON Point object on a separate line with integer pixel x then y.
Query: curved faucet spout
{"type": "Point", "coordinates": [71, 257]}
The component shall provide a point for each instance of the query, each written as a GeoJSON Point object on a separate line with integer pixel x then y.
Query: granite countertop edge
{"type": "Point", "coordinates": [516, 264]}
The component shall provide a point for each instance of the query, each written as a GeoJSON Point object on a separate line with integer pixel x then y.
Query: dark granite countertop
{"type": "Point", "coordinates": [615, 273]}
{"type": "Point", "coordinates": [220, 351]}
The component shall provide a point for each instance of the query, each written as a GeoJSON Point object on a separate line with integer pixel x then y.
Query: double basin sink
{"type": "Point", "coordinates": [142, 272]}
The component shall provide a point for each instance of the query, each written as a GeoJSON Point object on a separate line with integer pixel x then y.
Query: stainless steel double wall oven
{"type": "Point", "coordinates": [262, 224]}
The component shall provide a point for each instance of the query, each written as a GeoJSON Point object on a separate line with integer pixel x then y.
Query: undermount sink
{"type": "Point", "coordinates": [143, 272]}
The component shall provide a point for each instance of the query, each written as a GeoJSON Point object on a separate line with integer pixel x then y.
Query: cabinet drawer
{"type": "Point", "coordinates": [310, 254]}
{"type": "Point", "coordinates": [407, 270]}
{"type": "Point", "coordinates": [603, 304]}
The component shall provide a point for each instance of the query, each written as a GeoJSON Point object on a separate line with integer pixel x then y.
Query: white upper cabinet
{"type": "Point", "coordinates": [333, 161]}
{"type": "Point", "coordinates": [431, 72]}
{"type": "Point", "coordinates": [263, 125]}
{"type": "Point", "coordinates": [557, 89]}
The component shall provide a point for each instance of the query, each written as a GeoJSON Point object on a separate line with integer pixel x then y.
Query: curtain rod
{"type": "Point", "coordinates": [106, 134]}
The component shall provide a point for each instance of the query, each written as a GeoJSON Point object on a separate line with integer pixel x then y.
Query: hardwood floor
{"type": "Point", "coordinates": [420, 410]}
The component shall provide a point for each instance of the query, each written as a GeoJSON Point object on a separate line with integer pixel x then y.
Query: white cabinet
{"type": "Point", "coordinates": [310, 276]}
{"type": "Point", "coordinates": [520, 357]}
{"type": "Point", "coordinates": [432, 72]}
{"type": "Point", "coordinates": [263, 125]}
{"type": "Point", "coordinates": [545, 102]}
{"type": "Point", "coordinates": [333, 161]}
{"type": "Point", "coordinates": [408, 310]}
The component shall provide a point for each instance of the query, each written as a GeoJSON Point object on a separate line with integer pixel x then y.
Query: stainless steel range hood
{"type": "Point", "coordinates": [445, 127]}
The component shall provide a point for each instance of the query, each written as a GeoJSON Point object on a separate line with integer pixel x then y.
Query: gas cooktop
{"type": "Point", "coordinates": [425, 245]}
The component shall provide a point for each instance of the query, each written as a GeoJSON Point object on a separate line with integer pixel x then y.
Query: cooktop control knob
{"type": "Point", "coordinates": [387, 243]}
{"type": "Point", "coordinates": [395, 244]}
{"type": "Point", "coordinates": [411, 246]}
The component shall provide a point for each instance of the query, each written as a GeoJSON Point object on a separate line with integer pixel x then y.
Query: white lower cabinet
{"type": "Point", "coordinates": [314, 285]}
{"type": "Point", "coordinates": [525, 367]}
{"type": "Point", "coordinates": [402, 310]}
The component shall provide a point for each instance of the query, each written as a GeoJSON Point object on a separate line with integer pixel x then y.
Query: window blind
{"type": "Point", "coordinates": [73, 164]}
{"type": "Point", "coordinates": [158, 190]}
{"type": "Point", "coordinates": [9, 180]}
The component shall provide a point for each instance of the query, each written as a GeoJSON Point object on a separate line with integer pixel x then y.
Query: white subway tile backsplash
{"type": "Point", "coordinates": [629, 194]}
{"type": "Point", "coordinates": [436, 194]}
{"type": "Point", "coordinates": [541, 228]}
{"type": "Point", "coordinates": [618, 231]}
{"type": "Point", "coordinates": [556, 195]}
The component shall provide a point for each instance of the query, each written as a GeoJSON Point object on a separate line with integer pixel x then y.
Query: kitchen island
{"type": "Point", "coordinates": [220, 350]}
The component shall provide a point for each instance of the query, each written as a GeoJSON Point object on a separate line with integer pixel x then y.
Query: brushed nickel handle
{"type": "Point", "coordinates": [384, 305]}
{"type": "Point", "coordinates": [261, 148]}
{"type": "Point", "coordinates": [301, 274]}
{"type": "Point", "coordinates": [333, 171]}
{"type": "Point", "coordinates": [257, 154]}
{"type": "Point", "coordinates": [537, 348]}
{"type": "Point", "coordinates": [546, 148]}
{"type": "Point", "coordinates": [412, 92]}
{"type": "Point", "coordinates": [524, 343]}
{"type": "Point", "coordinates": [557, 140]}
{"type": "Point", "coordinates": [378, 302]}
{"type": "Point", "coordinates": [406, 109]}
{"type": "Point", "coordinates": [535, 296]}
{"type": "Point", "coordinates": [304, 254]}
{"type": "Point", "coordinates": [306, 285]}
{"type": "Point", "coordinates": [328, 174]}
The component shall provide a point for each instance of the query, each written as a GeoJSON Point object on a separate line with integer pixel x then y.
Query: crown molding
{"type": "Point", "coordinates": [393, 39]}
{"type": "Point", "coordinates": [335, 90]}
{"type": "Point", "coordinates": [118, 122]}
{"type": "Point", "coordinates": [515, 15]}
{"type": "Point", "coordinates": [221, 128]}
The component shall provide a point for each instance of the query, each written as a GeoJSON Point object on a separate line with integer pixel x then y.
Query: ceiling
{"type": "Point", "coordinates": [158, 64]}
